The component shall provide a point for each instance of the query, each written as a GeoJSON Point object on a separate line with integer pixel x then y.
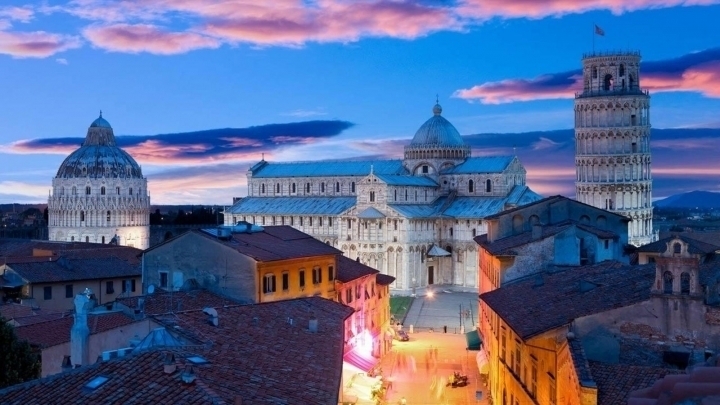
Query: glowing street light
{"type": "Point", "coordinates": [430, 294]}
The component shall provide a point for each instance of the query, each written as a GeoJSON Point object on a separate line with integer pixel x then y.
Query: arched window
{"type": "Point", "coordinates": [337, 187]}
{"type": "Point", "coordinates": [608, 82]}
{"type": "Point", "coordinates": [102, 190]}
{"type": "Point", "coordinates": [87, 239]}
{"type": "Point", "coordinates": [307, 188]}
{"type": "Point", "coordinates": [372, 196]}
{"type": "Point", "coordinates": [601, 220]}
{"type": "Point", "coordinates": [262, 188]}
{"type": "Point", "coordinates": [471, 186]}
{"type": "Point", "coordinates": [74, 191]}
{"type": "Point", "coordinates": [352, 187]}
{"type": "Point", "coordinates": [293, 189]}
{"type": "Point", "coordinates": [685, 283]}
{"type": "Point", "coordinates": [395, 195]}
{"type": "Point", "coordinates": [103, 240]}
{"type": "Point", "coordinates": [131, 191]}
{"type": "Point", "coordinates": [406, 195]}
{"type": "Point", "coordinates": [108, 216]}
{"type": "Point", "coordinates": [517, 222]}
{"type": "Point", "coordinates": [534, 220]}
{"type": "Point", "coordinates": [585, 219]}
{"type": "Point", "coordinates": [488, 186]}
{"type": "Point", "coordinates": [82, 216]}
{"type": "Point", "coordinates": [117, 189]}
{"type": "Point", "coordinates": [322, 187]}
{"type": "Point", "coordinates": [667, 282]}
{"type": "Point", "coordinates": [277, 188]}
{"type": "Point", "coordinates": [677, 248]}
{"type": "Point", "coordinates": [87, 190]}
{"type": "Point", "coordinates": [594, 72]}
{"type": "Point", "coordinates": [474, 232]}
{"type": "Point", "coordinates": [451, 231]}
{"type": "Point", "coordinates": [621, 71]}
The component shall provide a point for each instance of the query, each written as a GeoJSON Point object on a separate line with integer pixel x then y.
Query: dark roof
{"type": "Point", "coordinates": [711, 237]}
{"type": "Point", "coordinates": [384, 279]}
{"type": "Point", "coordinates": [272, 243]}
{"type": "Point", "coordinates": [695, 246]}
{"type": "Point", "coordinates": [25, 247]}
{"type": "Point", "coordinates": [545, 301]}
{"type": "Point", "coordinates": [138, 379]}
{"type": "Point", "coordinates": [57, 331]}
{"type": "Point", "coordinates": [165, 302]}
{"type": "Point", "coordinates": [40, 316]}
{"type": "Point", "coordinates": [505, 246]}
{"type": "Point", "coordinates": [349, 270]}
{"type": "Point", "coordinates": [12, 310]}
{"type": "Point", "coordinates": [580, 362]}
{"type": "Point", "coordinates": [616, 381]}
{"type": "Point", "coordinates": [54, 269]}
{"type": "Point", "coordinates": [549, 199]}
{"type": "Point", "coordinates": [249, 347]}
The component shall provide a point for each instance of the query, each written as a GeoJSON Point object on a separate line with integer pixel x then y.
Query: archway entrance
{"type": "Point", "coordinates": [431, 275]}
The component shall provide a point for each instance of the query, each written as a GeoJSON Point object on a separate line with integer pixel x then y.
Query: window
{"type": "Point", "coordinates": [329, 221]}
{"type": "Point", "coordinates": [471, 186]}
{"type": "Point", "coordinates": [322, 187]}
{"type": "Point", "coordinates": [269, 284]}
{"type": "Point", "coordinates": [317, 275]}
{"type": "Point", "coordinates": [82, 216]}
{"type": "Point", "coordinates": [488, 186]}
{"type": "Point", "coordinates": [301, 221]}
{"type": "Point", "coordinates": [553, 390]}
{"type": "Point", "coordinates": [132, 285]}
{"type": "Point", "coordinates": [74, 191]}
{"type": "Point", "coordinates": [594, 72]}
{"type": "Point", "coordinates": [47, 292]}
{"type": "Point", "coordinates": [293, 189]}
{"type": "Point", "coordinates": [302, 279]}
{"type": "Point", "coordinates": [109, 287]}
{"type": "Point", "coordinates": [163, 279]}
{"type": "Point", "coordinates": [677, 248]}
{"type": "Point", "coordinates": [130, 191]}
{"type": "Point", "coordinates": [349, 224]}
{"type": "Point", "coordinates": [310, 221]}
{"type": "Point", "coordinates": [102, 190]}
{"type": "Point", "coordinates": [685, 283]}
{"type": "Point", "coordinates": [87, 239]}
{"type": "Point", "coordinates": [87, 190]}
{"type": "Point", "coordinates": [607, 244]}
{"type": "Point", "coordinates": [608, 82]}
{"type": "Point", "coordinates": [395, 224]}
{"type": "Point", "coordinates": [331, 273]}
{"type": "Point", "coordinates": [103, 240]}
{"type": "Point", "coordinates": [503, 344]}
{"type": "Point", "coordinates": [348, 296]}
{"type": "Point", "coordinates": [621, 71]}
{"type": "Point", "coordinates": [533, 379]}
{"type": "Point", "coordinates": [117, 190]}
{"type": "Point", "coordinates": [406, 195]}
{"type": "Point", "coordinates": [292, 221]}
{"type": "Point", "coordinates": [320, 221]}
{"type": "Point", "coordinates": [518, 356]}
{"type": "Point", "coordinates": [107, 215]}
{"type": "Point", "coordinates": [395, 195]}
{"type": "Point", "coordinates": [307, 188]}
{"type": "Point", "coordinates": [474, 233]}
{"type": "Point", "coordinates": [425, 169]}
{"type": "Point", "coordinates": [634, 147]}
{"type": "Point", "coordinates": [285, 281]}
{"type": "Point", "coordinates": [372, 196]}
{"type": "Point", "coordinates": [451, 232]}
{"type": "Point", "coordinates": [277, 188]}
{"type": "Point", "coordinates": [69, 291]}
{"type": "Point", "coordinates": [337, 187]}
{"type": "Point", "coordinates": [262, 188]}
{"type": "Point", "coordinates": [352, 187]}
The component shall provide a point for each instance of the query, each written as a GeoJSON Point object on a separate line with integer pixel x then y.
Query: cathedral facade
{"type": "Point", "coordinates": [413, 218]}
{"type": "Point", "coordinates": [99, 194]}
{"type": "Point", "coordinates": [612, 141]}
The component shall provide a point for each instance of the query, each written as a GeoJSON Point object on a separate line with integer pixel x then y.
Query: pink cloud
{"type": "Point", "coordinates": [544, 8]}
{"type": "Point", "coordinates": [696, 72]}
{"type": "Point", "coordinates": [22, 14]}
{"type": "Point", "coordinates": [37, 44]}
{"type": "Point", "coordinates": [146, 38]}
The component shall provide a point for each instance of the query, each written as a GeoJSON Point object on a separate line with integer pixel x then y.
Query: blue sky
{"type": "Point", "coordinates": [344, 78]}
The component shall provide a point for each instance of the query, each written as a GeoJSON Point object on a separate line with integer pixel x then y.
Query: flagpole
{"type": "Point", "coordinates": [593, 35]}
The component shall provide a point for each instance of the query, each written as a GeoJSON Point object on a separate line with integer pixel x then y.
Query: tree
{"type": "Point", "coordinates": [18, 362]}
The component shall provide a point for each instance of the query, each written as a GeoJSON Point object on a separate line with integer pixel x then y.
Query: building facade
{"type": "Point", "coordinates": [612, 141]}
{"type": "Point", "coordinates": [99, 194]}
{"type": "Point", "coordinates": [391, 213]}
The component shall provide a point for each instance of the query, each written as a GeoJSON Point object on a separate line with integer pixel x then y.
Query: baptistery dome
{"type": "Point", "coordinates": [437, 138]}
{"type": "Point", "coordinates": [99, 156]}
{"type": "Point", "coordinates": [99, 194]}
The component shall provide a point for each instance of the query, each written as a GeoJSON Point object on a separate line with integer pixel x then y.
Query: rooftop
{"type": "Point", "coordinates": [551, 199]}
{"type": "Point", "coordinates": [29, 247]}
{"type": "Point", "coordinates": [406, 180]}
{"type": "Point", "coordinates": [695, 246]}
{"type": "Point", "coordinates": [349, 270]}
{"type": "Point", "coordinates": [437, 132]}
{"type": "Point", "coordinates": [546, 301]}
{"type": "Point", "coordinates": [294, 205]}
{"type": "Point", "coordinates": [163, 302]}
{"type": "Point", "coordinates": [57, 331]}
{"type": "Point", "coordinates": [481, 164]}
{"type": "Point", "coordinates": [56, 269]}
{"type": "Point", "coordinates": [616, 381]}
{"type": "Point", "coordinates": [322, 168]}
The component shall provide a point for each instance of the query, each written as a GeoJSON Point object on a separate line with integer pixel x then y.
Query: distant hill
{"type": "Point", "coordinates": [693, 199]}
{"type": "Point", "coordinates": [21, 207]}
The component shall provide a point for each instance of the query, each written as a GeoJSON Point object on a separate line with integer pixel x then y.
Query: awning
{"type": "Point", "coordinates": [473, 340]}
{"type": "Point", "coordinates": [362, 362]}
{"type": "Point", "coordinates": [482, 362]}
{"type": "Point", "coordinates": [437, 251]}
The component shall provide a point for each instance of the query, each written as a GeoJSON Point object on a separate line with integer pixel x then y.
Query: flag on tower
{"type": "Point", "coordinates": [599, 31]}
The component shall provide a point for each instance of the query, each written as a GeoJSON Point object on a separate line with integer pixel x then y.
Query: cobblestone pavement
{"type": "Point", "coordinates": [419, 369]}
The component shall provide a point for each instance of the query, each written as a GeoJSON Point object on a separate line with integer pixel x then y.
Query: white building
{"type": "Point", "coordinates": [612, 141]}
{"type": "Point", "coordinates": [413, 219]}
{"type": "Point", "coordinates": [100, 194]}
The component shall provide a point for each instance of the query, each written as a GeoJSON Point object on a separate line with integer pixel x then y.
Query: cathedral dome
{"type": "Point", "coordinates": [99, 156]}
{"type": "Point", "coordinates": [437, 132]}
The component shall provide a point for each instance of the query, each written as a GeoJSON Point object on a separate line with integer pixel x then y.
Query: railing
{"type": "Point", "coordinates": [635, 90]}
{"type": "Point", "coordinates": [598, 54]}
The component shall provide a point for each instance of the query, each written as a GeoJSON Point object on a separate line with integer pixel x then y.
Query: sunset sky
{"type": "Point", "coordinates": [197, 90]}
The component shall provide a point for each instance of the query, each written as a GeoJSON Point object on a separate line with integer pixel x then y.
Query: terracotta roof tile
{"type": "Point", "coordinates": [57, 331]}
{"type": "Point", "coordinates": [582, 368]}
{"type": "Point", "coordinates": [165, 302]}
{"type": "Point", "coordinates": [56, 269]}
{"type": "Point", "coordinates": [694, 246]}
{"type": "Point", "coordinates": [616, 381]}
{"type": "Point", "coordinates": [539, 303]}
{"type": "Point", "coordinates": [25, 247]}
{"type": "Point", "coordinates": [12, 310]}
{"type": "Point", "coordinates": [505, 246]}
{"type": "Point", "coordinates": [349, 270]}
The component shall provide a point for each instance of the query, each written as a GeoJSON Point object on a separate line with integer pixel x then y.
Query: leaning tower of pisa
{"type": "Point", "coordinates": [612, 141]}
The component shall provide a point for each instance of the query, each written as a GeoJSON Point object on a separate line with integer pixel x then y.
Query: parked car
{"type": "Point", "coordinates": [402, 336]}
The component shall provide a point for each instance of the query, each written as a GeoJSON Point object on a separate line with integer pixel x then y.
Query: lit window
{"type": "Point", "coordinates": [96, 382]}
{"type": "Point", "coordinates": [269, 284]}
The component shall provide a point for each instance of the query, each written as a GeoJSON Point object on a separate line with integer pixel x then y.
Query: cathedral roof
{"type": "Point", "coordinates": [400, 180]}
{"type": "Point", "coordinates": [437, 132]}
{"type": "Point", "coordinates": [99, 156]}
{"type": "Point", "coordinates": [481, 164]}
{"type": "Point", "coordinates": [293, 205]}
{"type": "Point", "coordinates": [325, 168]}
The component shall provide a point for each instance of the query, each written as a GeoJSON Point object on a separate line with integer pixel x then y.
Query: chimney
{"type": "Point", "coordinates": [536, 231]}
{"type": "Point", "coordinates": [313, 325]}
{"type": "Point", "coordinates": [188, 376]}
{"type": "Point", "coordinates": [169, 365]}
{"type": "Point", "coordinates": [80, 333]}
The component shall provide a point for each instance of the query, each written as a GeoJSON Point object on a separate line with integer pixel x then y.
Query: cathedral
{"type": "Point", "coordinates": [99, 194]}
{"type": "Point", "coordinates": [413, 218]}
